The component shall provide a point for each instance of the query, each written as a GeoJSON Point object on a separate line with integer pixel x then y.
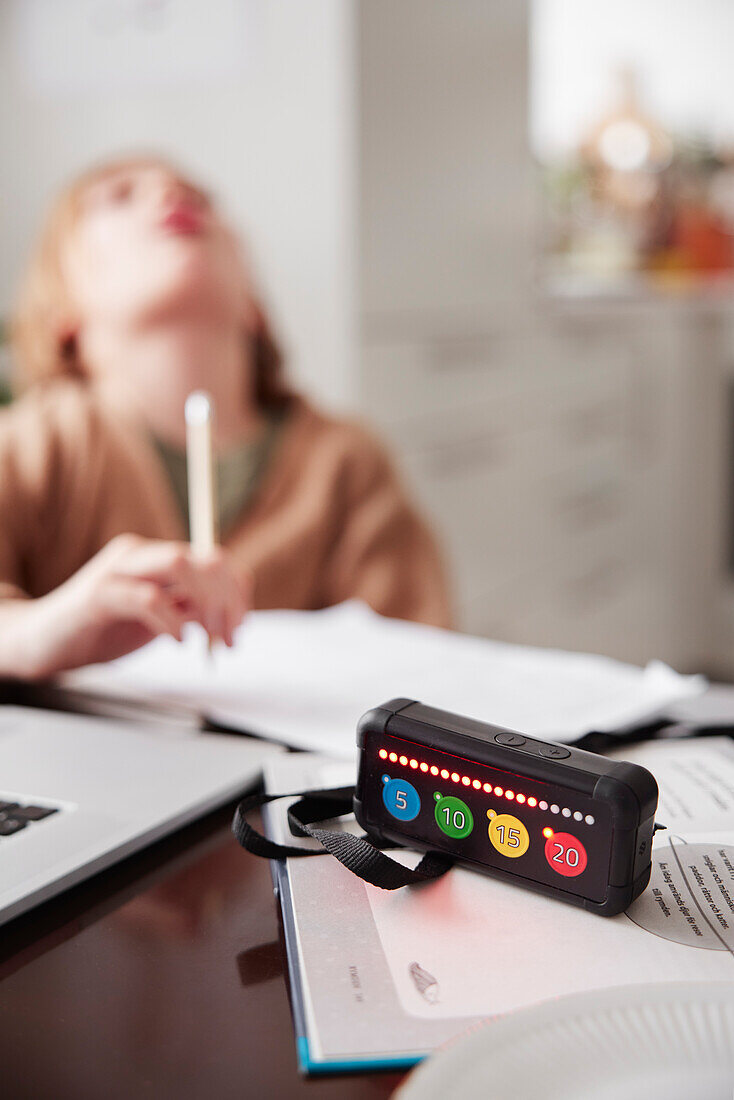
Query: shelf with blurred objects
{"type": "Point", "coordinates": [565, 425]}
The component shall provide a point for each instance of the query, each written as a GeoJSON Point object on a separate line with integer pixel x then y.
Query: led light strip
{"type": "Point", "coordinates": [478, 785]}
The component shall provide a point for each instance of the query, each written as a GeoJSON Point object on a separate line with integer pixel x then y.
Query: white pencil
{"type": "Point", "coordinates": [199, 416]}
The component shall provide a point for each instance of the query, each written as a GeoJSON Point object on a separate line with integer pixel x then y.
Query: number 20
{"type": "Point", "coordinates": [571, 855]}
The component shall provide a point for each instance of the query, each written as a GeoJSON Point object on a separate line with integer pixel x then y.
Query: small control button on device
{"type": "Point", "coordinates": [553, 752]}
{"type": "Point", "coordinates": [401, 798]}
{"type": "Point", "coordinates": [514, 740]}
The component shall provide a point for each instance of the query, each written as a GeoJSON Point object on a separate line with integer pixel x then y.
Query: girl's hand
{"type": "Point", "coordinates": [131, 591]}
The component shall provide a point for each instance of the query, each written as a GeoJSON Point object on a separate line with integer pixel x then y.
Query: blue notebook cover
{"type": "Point", "coordinates": [346, 1011]}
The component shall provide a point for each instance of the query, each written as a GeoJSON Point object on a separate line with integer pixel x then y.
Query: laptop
{"type": "Point", "coordinates": [78, 793]}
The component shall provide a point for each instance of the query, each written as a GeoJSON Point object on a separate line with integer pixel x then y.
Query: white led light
{"type": "Point", "coordinates": [543, 805]}
{"type": "Point", "coordinates": [589, 819]}
{"type": "Point", "coordinates": [554, 809]}
{"type": "Point", "coordinates": [566, 812]}
{"type": "Point", "coordinates": [578, 816]}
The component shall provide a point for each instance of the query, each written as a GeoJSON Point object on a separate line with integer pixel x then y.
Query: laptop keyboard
{"type": "Point", "coordinates": [15, 816]}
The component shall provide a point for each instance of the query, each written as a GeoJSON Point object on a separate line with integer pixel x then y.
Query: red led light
{"type": "Point", "coordinates": [547, 832]}
{"type": "Point", "coordinates": [457, 777]}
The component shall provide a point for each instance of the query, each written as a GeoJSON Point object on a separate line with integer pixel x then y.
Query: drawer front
{"type": "Point", "coordinates": [517, 371]}
{"type": "Point", "coordinates": [532, 455]}
{"type": "Point", "coordinates": [612, 607]}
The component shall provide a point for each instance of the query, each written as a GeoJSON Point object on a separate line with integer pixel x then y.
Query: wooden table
{"type": "Point", "coordinates": [162, 977]}
{"type": "Point", "coordinates": [165, 977]}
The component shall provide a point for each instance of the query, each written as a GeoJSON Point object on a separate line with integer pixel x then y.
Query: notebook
{"type": "Point", "coordinates": [380, 979]}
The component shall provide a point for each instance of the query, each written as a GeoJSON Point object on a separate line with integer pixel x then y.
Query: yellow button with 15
{"type": "Point", "coordinates": [508, 834]}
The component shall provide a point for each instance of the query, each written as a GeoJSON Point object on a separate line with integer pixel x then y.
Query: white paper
{"type": "Point", "coordinates": [468, 946]}
{"type": "Point", "coordinates": [489, 951]}
{"type": "Point", "coordinates": [307, 677]}
{"type": "Point", "coordinates": [696, 781]}
{"type": "Point", "coordinates": [490, 947]}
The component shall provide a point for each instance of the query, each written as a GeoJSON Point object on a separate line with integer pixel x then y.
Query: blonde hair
{"type": "Point", "coordinates": [43, 350]}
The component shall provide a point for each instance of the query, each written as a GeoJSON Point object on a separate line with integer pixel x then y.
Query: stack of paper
{"type": "Point", "coordinates": [306, 677]}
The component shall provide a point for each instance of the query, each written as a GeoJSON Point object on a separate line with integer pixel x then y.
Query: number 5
{"type": "Point", "coordinates": [401, 801]}
{"type": "Point", "coordinates": [513, 838]}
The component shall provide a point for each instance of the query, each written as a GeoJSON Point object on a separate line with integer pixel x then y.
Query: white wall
{"type": "Point", "coordinates": [446, 197]}
{"type": "Point", "coordinates": [681, 48]}
{"type": "Point", "coordinates": [253, 96]}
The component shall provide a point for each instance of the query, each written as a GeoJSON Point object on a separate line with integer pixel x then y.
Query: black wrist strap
{"type": "Point", "coordinates": [358, 854]}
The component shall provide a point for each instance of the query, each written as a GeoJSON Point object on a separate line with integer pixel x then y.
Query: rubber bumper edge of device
{"type": "Point", "coordinates": [376, 719]}
{"type": "Point", "coordinates": [620, 898]}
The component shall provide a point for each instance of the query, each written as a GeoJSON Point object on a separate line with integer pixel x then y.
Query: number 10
{"type": "Point", "coordinates": [459, 821]}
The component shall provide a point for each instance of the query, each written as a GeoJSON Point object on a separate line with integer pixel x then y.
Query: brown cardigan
{"type": "Point", "coordinates": [329, 521]}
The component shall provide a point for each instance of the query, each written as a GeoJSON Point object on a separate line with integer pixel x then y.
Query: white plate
{"type": "Point", "coordinates": [672, 1041]}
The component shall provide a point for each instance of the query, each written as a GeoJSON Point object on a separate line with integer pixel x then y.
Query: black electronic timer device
{"type": "Point", "coordinates": [556, 819]}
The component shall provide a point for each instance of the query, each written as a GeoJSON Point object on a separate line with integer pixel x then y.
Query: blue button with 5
{"type": "Point", "coordinates": [401, 799]}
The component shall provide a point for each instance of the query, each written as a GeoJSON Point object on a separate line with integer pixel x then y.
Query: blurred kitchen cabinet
{"type": "Point", "coordinates": [569, 470]}
{"type": "Point", "coordinates": [566, 452]}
